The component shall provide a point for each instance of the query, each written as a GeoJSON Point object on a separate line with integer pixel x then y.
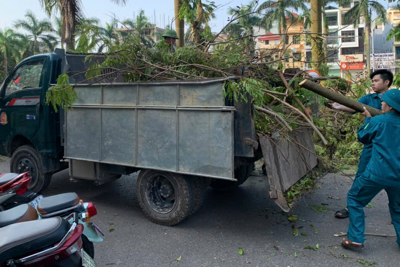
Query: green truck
{"type": "Point", "coordinates": [181, 135]}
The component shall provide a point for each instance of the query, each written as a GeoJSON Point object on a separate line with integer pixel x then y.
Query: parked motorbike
{"type": "Point", "coordinates": [14, 190]}
{"type": "Point", "coordinates": [40, 208]}
{"type": "Point", "coordinates": [53, 242]}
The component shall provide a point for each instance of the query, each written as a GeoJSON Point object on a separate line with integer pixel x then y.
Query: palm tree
{"type": "Point", "coordinates": [108, 35]}
{"type": "Point", "coordinates": [140, 27]}
{"type": "Point", "coordinates": [38, 31]}
{"type": "Point", "coordinates": [280, 11]}
{"type": "Point", "coordinates": [88, 35]}
{"type": "Point", "coordinates": [11, 44]}
{"type": "Point", "coordinates": [71, 13]}
{"type": "Point", "coordinates": [244, 25]}
{"type": "Point", "coordinates": [58, 30]}
{"type": "Point", "coordinates": [364, 8]}
{"type": "Point", "coordinates": [197, 13]}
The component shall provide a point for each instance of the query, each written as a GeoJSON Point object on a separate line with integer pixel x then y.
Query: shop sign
{"type": "Point", "coordinates": [351, 65]}
{"type": "Point", "coordinates": [352, 58]}
{"type": "Point", "coordinates": [383, 61]}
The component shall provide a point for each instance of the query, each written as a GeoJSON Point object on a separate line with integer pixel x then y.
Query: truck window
{"type": "Point", "coordinates": [27, 76]}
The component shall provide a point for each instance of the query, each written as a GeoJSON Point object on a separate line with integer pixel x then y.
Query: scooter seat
{"type": "Point", "coordinates": [7, 177]}
{"type": "Point", "coordinates": [21, 213]}
{"type": "Point", "coordinates": [21, 239]}
{"type": "Point", "coordinates": [59, 202]}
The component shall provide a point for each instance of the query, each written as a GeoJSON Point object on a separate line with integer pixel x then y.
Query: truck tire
{"type": "Point", "coordinates": [165, 198]}
{"type": "Point", "coordinates": [241, 174]}
{"type": "Point", "coordinates": [26, 158]}
{"type": "Point", "coordinates": [199, 189]}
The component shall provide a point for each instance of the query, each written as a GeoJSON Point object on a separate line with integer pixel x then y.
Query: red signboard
{"type": "Point", "coordinates": [351, 65]}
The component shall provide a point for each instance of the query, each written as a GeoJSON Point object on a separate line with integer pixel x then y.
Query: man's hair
{"type": "Point", "coordinates": [385, 75]}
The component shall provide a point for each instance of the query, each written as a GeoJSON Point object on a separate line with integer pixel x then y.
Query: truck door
{"type": "Point", "coordinates": [20, 102]}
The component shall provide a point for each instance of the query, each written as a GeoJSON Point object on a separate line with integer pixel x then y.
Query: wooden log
{"type": "Point", "coordinates": [341, 99]}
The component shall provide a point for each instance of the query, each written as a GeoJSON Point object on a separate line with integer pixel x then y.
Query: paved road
{"type": "Point", "coordinates": [244, 218]}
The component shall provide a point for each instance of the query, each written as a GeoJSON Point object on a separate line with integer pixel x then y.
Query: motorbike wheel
{"type": "Point", "coordinates": [165, 198]}
{"type": "Point", "coordinates": [88, 246]}
{"type": "Point", "coordinates": [26, 158]}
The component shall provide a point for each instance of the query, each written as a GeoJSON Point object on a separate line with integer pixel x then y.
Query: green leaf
{"type": "Point", "coordinates": [179, 259]}
{"type": "Point", "coordinates": [304, 234]}
{"type": "Point", "coordinates": [295, 254]}
{"type": "Point", "coordinates": [295, 232]}
{"type": "Point", "coordinates": [240, 251]}
{"type": "Point", "coordinates": [292, 218]}
{"type": "Point", "coordinates": [309, 247]}
{"type": "Point", "coordinates": [370, 205]}
{"type": "Point", "coordinates": [317, 246]}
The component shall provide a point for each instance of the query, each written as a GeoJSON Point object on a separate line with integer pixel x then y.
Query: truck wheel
{"type": "Point", "coordinates": [241, 174]}
{"type": "Point", "coordinates": [199, 189]}
{"type": "Point", "coordinates": [165, 198]}
{"type": "Point", "coordinates": [26, 158]}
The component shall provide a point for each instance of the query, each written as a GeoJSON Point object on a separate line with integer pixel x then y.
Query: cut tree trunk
{"type": "Point", "coordinates": [341, 99]}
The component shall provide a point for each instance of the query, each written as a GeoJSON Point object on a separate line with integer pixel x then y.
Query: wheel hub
{"type": "Point", "coordinates": [26, 165]}
{"type": "Point", "coordinates": [160, 194]}
{"type": "Point", "coordinates": [166, 190]}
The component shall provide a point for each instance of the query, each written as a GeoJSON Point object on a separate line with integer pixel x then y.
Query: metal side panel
{"type": "Point", "coordinates": [120, 95]}
{"type": "Point", "coordinates": [83, 133]}
{"type": "Point", "coordinates": [202, 95]}
{"type": "Point", "coordinates": [157, 138]}
{"type": "Point", "coordinates": [205, 143]}
{"type": "Point", "coordinates": [118, 135]}
{"type": "Point", "coordinates": [167, 95]}
{"type": "Point", "coordinates": [89, 95]}
{"type": "Point", "coordinates": [287, 161]}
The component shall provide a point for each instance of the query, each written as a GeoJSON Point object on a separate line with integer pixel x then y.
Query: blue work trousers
{"type": "Point", "coordinates": [360, 194]}
{"type": "Point", "coordinates": [364, 160]}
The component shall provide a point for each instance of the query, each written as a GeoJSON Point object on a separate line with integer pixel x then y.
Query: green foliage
{"type": "Point", "coordinates": [301, 187]}
{"type": "Point", "coordinates": [61, 95]}
{"type": "Point", "coordinates": [319, 209]}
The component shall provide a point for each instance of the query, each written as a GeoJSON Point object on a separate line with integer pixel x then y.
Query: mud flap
{"type": "Point", "coordinates": [287, 160]}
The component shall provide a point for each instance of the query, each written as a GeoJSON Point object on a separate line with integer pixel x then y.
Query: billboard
{"type": "Point", "coordinates": [383, 61]}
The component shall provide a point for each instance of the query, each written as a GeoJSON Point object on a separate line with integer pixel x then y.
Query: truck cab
{"type": "Point", "coordinates": [29, 128]}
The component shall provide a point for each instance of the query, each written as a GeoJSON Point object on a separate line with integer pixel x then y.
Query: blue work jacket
{"type": "Point", "coordinates": [383, 133]}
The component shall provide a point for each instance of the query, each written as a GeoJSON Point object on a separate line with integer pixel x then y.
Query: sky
{"type": "Point", "coordinates": [104, 10]}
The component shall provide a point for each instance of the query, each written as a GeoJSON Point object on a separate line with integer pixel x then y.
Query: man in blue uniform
{"type": "Point", "coordinates": [383, 169]}
{"type": "Point", "coordinates": [381, 82]}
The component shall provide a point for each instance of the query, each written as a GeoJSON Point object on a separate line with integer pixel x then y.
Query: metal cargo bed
{"type": "Point", "coordinates": [183, 127]}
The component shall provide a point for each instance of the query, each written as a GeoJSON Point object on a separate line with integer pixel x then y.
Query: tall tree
{"type": "Point", "coordinates": [243, 27]}
{"type": "Point", "coordinates": [140, 27]}
{"type": "Point", "coordinates": [87, 34]}
{"type": "Point", "coordinates": [38, 31]}
{"type": "Point", "coordinates": [108, 35]}
{"type": "Point", "coordinates": [71, 13]}
{"type": "Point", "coordinates": [364, 8]}
{"type": "Point", "coordinates": [179, 24]}
{"type": "Point", "coordinates": [11, 44]}
{"type": "Point", "coordinates": [316, 32]}
{"type": "Point", "coordinates": [198, 14]}
{"type": "Point", "coordinates": [281, 12]}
